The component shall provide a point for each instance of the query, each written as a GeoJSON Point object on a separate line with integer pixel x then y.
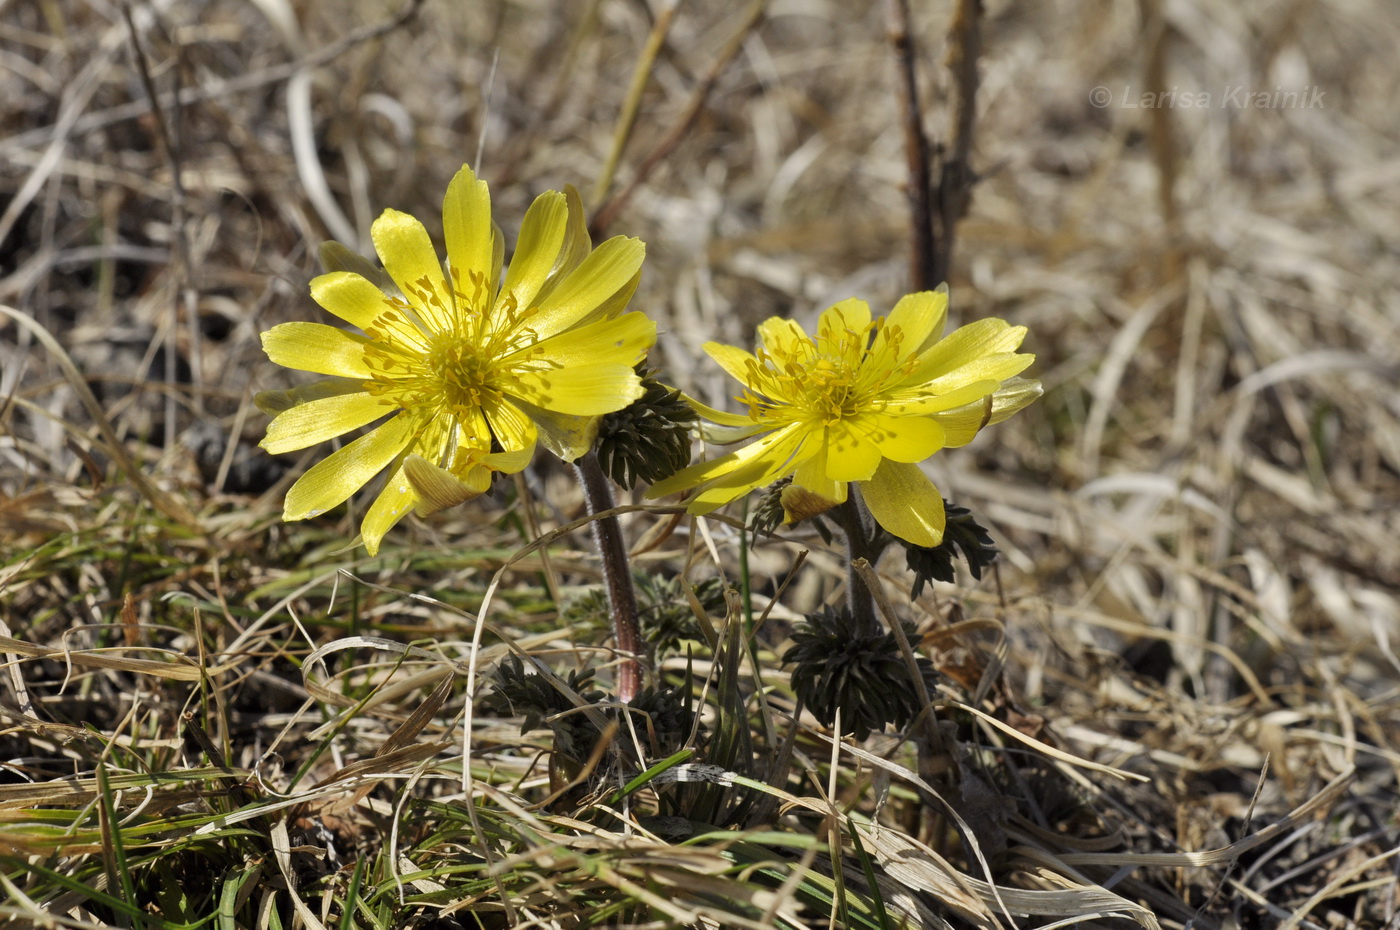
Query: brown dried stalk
{"type": "Point", "coordinates": [611, 207]}
{"type": "Point", "coordinates": [934, 212]}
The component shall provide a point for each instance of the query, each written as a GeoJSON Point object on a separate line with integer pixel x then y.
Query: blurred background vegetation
{"type": "Point", "coordinates": [1193, 207]}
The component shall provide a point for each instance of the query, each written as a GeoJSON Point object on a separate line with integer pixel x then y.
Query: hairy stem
{"type": "Point", "coordinates": [862, 542]}
{"type": "Point", "coordinates": [617, 574]}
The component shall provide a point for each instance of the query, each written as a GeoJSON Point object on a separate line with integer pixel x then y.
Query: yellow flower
{"type": "Point", "coordinates": [864, 401]}
{"type": "Point", "coordinates": [459, 361]}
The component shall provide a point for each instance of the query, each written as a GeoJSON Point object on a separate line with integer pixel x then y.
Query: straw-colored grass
{"type": "Point", "coordinates": [1175, 703]}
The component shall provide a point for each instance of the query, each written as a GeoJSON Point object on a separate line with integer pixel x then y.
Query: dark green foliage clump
{"type": "Point", "coordinates": [663, 611]}
{"type": "Point", "coordinates": [963, 533]}
{"type": "Point", "coordinates": [863, 674]}
{"type": "Point", "coordinates": [663, 718]}
{"type": "Point", "coordinates": [588, 609]}
{"type": "Point", "coordinates": [516, 692]}
{"type": "Point", "coordinates": [665, 615]}
{"type": "Point", "coordinates": [650, 438]}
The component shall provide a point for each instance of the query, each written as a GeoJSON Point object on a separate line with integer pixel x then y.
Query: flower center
{"type": "Point", "coordinates": [799, 380]}
{"type": "Point", "coordinates": [463, 376]}
{"type": "Point", "coordinates": [837, 376]}
{"type": "Point", "coordinates": [450, 370]}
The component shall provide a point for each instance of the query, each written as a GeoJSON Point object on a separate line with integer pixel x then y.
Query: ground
{"type": "Point", "coordinates": [1173, 702]}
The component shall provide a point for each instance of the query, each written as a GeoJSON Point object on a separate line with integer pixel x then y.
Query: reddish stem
{"type": "Point", "coordinates": [617, 574]}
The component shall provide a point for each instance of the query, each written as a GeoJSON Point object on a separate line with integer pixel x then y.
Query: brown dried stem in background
{"type": "Point", "coordinates": [935, 210]}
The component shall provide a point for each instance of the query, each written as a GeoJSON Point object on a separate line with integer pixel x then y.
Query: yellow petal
{"type": "Point", "coordinates": [614, 305]}
{"type": "Point", "coordinates": [739, 460]}
{"type": "Point", "coordinates": [317, 348]}
{"type": "Point", "coordinates": [911, 326]}
{"type": "Point", "coordinates": [919, 401]}
{"type": "Point", "coordinates": [908, 439]}
{"type": "Point", "coordinates": [607, 270]}
{"type": "Point", "coordinates": [720, 417]}
{"type": "Point", "coordinates": [509, 462]}
{"type": "Point", "coordinates": [333, 479]}
{"type": "Point", "coordinates": [472, 241]}
{"type": "Point", "coordinates": [577, 243]}
{"type": "Point", "coordinates": [566, 435]}
{"type": "Point", "coordinates": [318, 420]}
{"type": "Point", "coordinates": [812, 477]}
{"type": "Point", "coordinates": [351, 297]}
{"type": "Point", "coordinates": [729, 427]}
{"type": "Point", "coordinates": [274, 402]}
{"type": "Point", "coordinates": [693, 475]}
{"type": "Point", "coordinates": [338, 257]}
{"type": "Point", "coordinates": [621, 341]}
{"type": "Point", "coordinates": [961, 424]}
{"type": "Point", "coordinates": [1014, 395]}
{"type": "Point", "coordinates": [738, 364]}
{"type": "Point", "coordinates": [783, 336]}
{"type": "Point", "coordinates": [962, 345]}
{"type": "Point", "coordinates": [581, 390]}
{"type": "Point", "coordinates": [851, 451]}
{"type": "Point", "coordinates": [541, 237]}
{"type": "Point", "coordinates": [408, 255]}
{"type": "Point", "coordinates": [904, 501]}
{"type": "Point", "coordinates": [995, 368]}
{"type": "Point", "coordinates": [729, 487]}
{"type": "Point", "coordinates": [509, 424]}
{"type": "Point", "coordinates": [728, 435]}
{"type": "Point", "coordinates": [498, 257]}
{"type": "Point", "coordinates": [391, 506]}
{"type": "Point", "coordinates": [842, 329]}
{"type": "Point", "coordinates": [780, 458]}
{"type": "Point", "coordinates": [921, 317]}
{"type": "Point", "coordinates": [437, 488]}
{"type": "Point", "coordinates": [474, 427]}
{"type": "Point", "coordinates": [470, 476]}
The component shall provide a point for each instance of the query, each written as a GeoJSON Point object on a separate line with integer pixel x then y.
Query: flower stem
{"type": "Point", "coordinates": [861, 543]}
{"type": "Point", "coordinates": [617, 574]}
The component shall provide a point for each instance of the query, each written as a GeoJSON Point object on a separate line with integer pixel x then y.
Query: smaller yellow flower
{"type": "Point", "coordinates": [460, 361]}
{"type": "Point", "coordinates": [864, 401]}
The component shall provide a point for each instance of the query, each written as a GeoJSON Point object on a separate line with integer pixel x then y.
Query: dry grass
{"type": "Point", "coordinates": [1177, 703]}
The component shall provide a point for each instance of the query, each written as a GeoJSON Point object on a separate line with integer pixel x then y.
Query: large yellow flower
{"type": "Point", "coordinates": [864, 401]}
{"type": "Point", "coordinates": [459, 361]}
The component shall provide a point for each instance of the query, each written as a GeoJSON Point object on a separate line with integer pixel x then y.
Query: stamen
{"type": "Point", "coordinates": [799, 381]}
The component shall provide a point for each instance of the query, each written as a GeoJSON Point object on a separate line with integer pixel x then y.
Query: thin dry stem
{"type": "Point", "coordinates": [924, 248]}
